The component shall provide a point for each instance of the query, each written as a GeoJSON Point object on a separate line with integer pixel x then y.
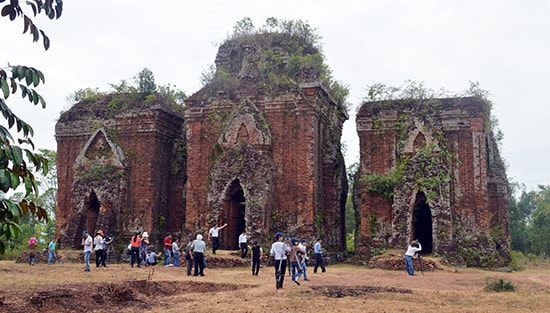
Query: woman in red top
{"type": "Point", "coordinates": [134, 249]}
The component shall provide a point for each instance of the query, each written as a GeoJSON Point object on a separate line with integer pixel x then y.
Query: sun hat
{"type": "Point", "coordinates": [145, 234]}
{"type": "Point", "coordinates": [100, 232]}
{"type": "Point", "coordinates": [199, 237]}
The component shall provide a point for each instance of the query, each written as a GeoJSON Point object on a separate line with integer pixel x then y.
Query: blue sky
{"type": "Point", "coordinates": [503, 45]}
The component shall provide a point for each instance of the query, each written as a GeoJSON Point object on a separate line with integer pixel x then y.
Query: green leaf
{"type": "Point", "coordinates": [35, 79]}
{"type": "Point", "coordinates": [15, 230]}
{"type": "Point", "coordinates": [15, 182]}
{"type": "Point", "coordinates": [5, 180]}
{"type": "Point", "coordinates": [28, 76]}
{"type": "Point", "coordinates": [5, 88]}
{"type": "Point", "coordinates": [17, 156]}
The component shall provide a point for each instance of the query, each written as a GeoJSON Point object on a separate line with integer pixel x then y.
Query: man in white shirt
{"type": "Point", "coordinates": [411, 250]}
{"type": "Point", "coordinates": [243, 244]}
{"type": "Point", "coordinates": [214, 235]}
{"type": "Point", "coordinates": [279, 250]}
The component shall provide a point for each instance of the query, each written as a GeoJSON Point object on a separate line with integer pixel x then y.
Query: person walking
{"type": "Point", "coordinates": [413, 248]}
{"type": "Point", "coordinates": [278, 251]}
{"type": "Point", "coordinates": [32, 250]}
{"type": "Point", "coordinates": [243, 244]}
{"type": "Point", "coordinates": [87, 243]}
{"type": "Point", "coordinates": [296, 256]}
{"type": "Point", "coordinates": [198, 247]}
{"type": "Point", "coordinates": [135, 242]}
{"type": "Point", "coordinates": [318, 251]}
{"type": "Point", "coordinates": [168, 250]}
{"type": "Point", "coordinates": [303, 246]}
{"type": "Point", "coordinates": [256, 257]}
{"type": "Point", "coordinates": [214, 235]}
{"type": "Point", "coordinates": [52, 256]}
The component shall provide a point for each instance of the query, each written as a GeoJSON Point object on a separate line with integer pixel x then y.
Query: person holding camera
{"type": "Point", "coordinates": [413, 248]}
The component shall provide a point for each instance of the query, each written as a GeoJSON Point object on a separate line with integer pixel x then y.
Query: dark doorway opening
{"type": "Point", "coordinates": [90, 215]}
{"type": "Point", "coordinates": [233, 214]}
{"type": "Point", "coordinates": [422, 222]}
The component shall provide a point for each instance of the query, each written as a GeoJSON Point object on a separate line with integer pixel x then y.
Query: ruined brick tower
{"type": "Point", "coordinates": [431, 170]}
{"type": "Point", "coordinates": [264, 160]}
{"type": "Point", "coordinates": [120, 168]}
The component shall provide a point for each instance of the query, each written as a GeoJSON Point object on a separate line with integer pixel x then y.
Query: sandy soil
{"type": "Point", "coordinates": [343, 288]}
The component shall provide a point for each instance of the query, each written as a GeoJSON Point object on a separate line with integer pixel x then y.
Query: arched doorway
{"type": "Point", "coordinates": [89, 217]}
{"type": "Point", "coordinates": [422, 222]}
{"type": "Point", "coordinates": [233, 214]}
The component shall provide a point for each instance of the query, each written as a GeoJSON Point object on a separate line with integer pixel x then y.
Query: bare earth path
{"type": "Point", "coordinates": [343, 288]}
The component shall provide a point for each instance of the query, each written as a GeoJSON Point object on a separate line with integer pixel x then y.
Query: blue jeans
{"type": "Point", "coordinates": [87, 260]}
{"type": "Point", "coordinates": [304, 269]}
{"type": "Point", "coordinates": [296, 270]}
{"type": "Point", "coordinates": [167, 256]}
{"type": "Point", "coordinates": [176, 257]}
{"type": "Point", "coordinates": [52, 257]}
{"type": "Point", "coordinates": [409, 264]}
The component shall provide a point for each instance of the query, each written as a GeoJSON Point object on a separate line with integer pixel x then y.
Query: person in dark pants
{"type": "Point", "coordinates": [243, 244]}
{"type": "Point", "coordinates": [214, 235]}
{"type": "Point", "coordinates": [256, 257]}
{"type": "Point", "coordinates": [318, 250]}
{"type": "Point", "coordinates": [198, 247]}
{"type": "Point", "coordinates": [279, 250]}
{"type": "Point", "coordinates": [189, 256]}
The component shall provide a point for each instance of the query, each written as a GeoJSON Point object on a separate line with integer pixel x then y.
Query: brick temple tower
{"type": "Point", "coordinates": [431, 170]}
{"type": "Point", "coordinates": [264, 161]}
{"type": "Point", "coordinates": [120, 168]}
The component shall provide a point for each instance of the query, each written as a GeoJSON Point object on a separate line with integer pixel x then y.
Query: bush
{"type": "Point", "coordinates": [498, 285]}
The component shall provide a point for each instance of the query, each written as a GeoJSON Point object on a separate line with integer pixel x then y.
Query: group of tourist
{"type": "Point", "coordinates": [294, 251]}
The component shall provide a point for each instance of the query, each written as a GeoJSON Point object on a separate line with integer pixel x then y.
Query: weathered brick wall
{"type": "Point", "coordinates": [287, 182]}
{"type": "Point", "coordinates": [134, 195]}
{"type": "Point", "coordinates": [447, 152]}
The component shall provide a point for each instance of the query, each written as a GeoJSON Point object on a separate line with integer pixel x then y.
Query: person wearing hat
{"type": "Point", "coordinates": [143, 248]}
{"type": "Point", "coordinates": [32, 250]}
{"type": "Point", "coordinates": [99, 249]}
{"type": "Point", "coordinates": [279, 249]}
{"type": "Point", "coordinates": [87, 243]}
{"type": "Point", "coordinates": [303, 246]}
{"type": "Point", "coordinates": [256, 257]}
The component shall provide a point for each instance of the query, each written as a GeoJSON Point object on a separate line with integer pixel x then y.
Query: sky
{"type": "Point", "coordinates": [503, 45]}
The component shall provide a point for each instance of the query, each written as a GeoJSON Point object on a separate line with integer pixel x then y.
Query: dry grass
{"type": "Point", "coordinates": [343, 288]}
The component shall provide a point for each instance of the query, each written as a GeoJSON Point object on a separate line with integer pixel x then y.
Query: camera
{"type": "Point", "coordinates": [108, 238]}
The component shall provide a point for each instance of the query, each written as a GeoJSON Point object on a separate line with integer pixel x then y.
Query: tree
{"type": "Point", "coordinates": [539, 226]}
{"type": "Point", "coordinates": [18, 164]}
{"type": "Point", "coordinates": [145, 81]}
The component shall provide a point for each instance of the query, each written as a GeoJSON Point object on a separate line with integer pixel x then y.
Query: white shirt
{"type": "Point", "coordinates": [279, 250]}
{"type": "Point", "coordinates": [88, 244]}
{"type": "Point", "coordinates": [412, 250]}
{"type": "Point", "coordinates": [301, 246]}
{"type": "Point", "coordinates": [242, 238]}
{"type": "Point", "coordinates": [98, 243]}
{"type": "Point", "coordinates": [175, 248]}
{"type": "Point", "coordinates": [214, 232]}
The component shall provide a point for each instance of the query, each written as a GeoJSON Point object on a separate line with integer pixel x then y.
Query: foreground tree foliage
{"type": "Point", "coordinates": [18, 164]}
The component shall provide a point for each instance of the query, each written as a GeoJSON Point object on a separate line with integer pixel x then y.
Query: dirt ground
{"type": "Point", "coordinates": [343, 288]}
